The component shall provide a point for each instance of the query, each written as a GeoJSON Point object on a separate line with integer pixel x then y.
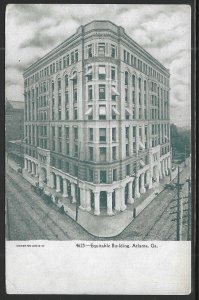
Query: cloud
{"type": "Point", "coordinates": [32, 30]}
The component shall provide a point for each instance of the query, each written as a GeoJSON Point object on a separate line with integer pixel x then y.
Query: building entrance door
{"type": "Point", "coordinates": [103, 199]}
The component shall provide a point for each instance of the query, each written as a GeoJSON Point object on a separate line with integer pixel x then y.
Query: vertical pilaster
{"type": "Point", "coordinates": [57, 183]}
{"type": "Point", "coordinates": [123, 206]}
{"type": "Point", "coordinates": [109, 204]}
{"type": "Point", "coordinates": [137, 192]}
{"type": "Point", "coordinates": [73, 194]}
{"type": "Point", "coordinates": [65, 190]}
{"type": "Point", "coordinates": [117, 199]}
{"type": "Point", "coordinates": [130, 196]}
{"type": "Point", "coordinates": [82, 199]}
{"type": "Point", "coordinates": [142, 189]}
{"type": "Point", "coordinates": [88, 200]}
{"type": "Point", "coordinates": [96, 203]}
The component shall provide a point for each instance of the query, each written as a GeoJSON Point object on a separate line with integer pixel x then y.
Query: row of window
{"type": "Point", "coordinates": [143, 67]}
{"type": "Point", "coordinates": [67, 60]}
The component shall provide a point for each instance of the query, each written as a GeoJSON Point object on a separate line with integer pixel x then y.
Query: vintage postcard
{"type": "Point", "coordinates": [98, 149]}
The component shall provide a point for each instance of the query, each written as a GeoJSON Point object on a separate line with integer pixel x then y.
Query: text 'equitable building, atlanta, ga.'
{"type": "Point", "coordinates": [97, 120]}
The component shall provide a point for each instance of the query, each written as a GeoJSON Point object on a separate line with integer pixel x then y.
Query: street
{"type": "Point", "coordinates": [28, 217]}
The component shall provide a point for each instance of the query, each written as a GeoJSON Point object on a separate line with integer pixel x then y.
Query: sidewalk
{"type": "Point", "coordinates": [110, 226]}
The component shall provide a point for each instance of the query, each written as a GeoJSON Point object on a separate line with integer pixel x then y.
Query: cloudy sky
{"type": "Point", "coordinates": [163, 30]}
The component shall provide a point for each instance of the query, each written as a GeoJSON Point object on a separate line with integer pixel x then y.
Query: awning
{"type": "Point", "coordinates": [74, 76]}
{"type": "Point", "coordinates": [89, 111]}
{"type": "Point", "coordinates": [128, 111]}
{"type": "Point", "coordinates": [115, 111]}
{"type": "Point", "coordinates": [102, 110]}
{"type": "Point", "coordinates": [141, 145]}
{"type": "Point", "coordinates": [102, 70]}
{"type": "Point", "coordinates": [142, 163]}
{"type": "Point", "coordinates": [114, 91]}
{"type": "Point", "coordinates": [89, 72]}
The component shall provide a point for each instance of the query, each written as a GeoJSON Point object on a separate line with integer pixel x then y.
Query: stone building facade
{"type": "Point", "coordinates": [97, 120]}
{"type": "Point", "coordinates": [14, 120]}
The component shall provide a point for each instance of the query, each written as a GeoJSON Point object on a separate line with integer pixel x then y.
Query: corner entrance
{"type": "Point", "coordinates": [103, 199]}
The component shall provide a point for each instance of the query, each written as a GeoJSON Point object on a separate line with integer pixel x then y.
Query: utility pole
{"type": "Point", "coordinates": [185, 155]}
{"type": "Point", "coordinates": [77, 194]}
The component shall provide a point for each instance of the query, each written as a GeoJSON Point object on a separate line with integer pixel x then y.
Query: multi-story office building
{"type": "Point", "coordinates": [14, 120]}
{"type": "Point", "coordinates": [97, 119]}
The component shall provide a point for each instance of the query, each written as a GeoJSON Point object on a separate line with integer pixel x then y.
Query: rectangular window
{"type": "Point", "coordinates": [59, 132]}
{"type": "Point", "coordinates": [90, 51]}
{"type": "Point", "coordinates": [127, 149]}
{"type": "Point", "coordinates": [72, 57]}
{"type": "Point", "coordinates": [113, 51]}
{"type": "Point", "coordinates": [102, 134]}
{"type": "Point", "coordinates": [114, 134]}
{"type": "Point", "coordinates": [127, 132]}
{"type": "Point", "coordinates": [89, 73]}
{"type": "Point", "coordinates": [113, 73]}
{"type": "Point", "coordinates": [64, 62]}
{"type": "Point", "coordinates": [102, 112]}
{"type": "Point", "coordinates": [103, 178]}
{"type": "Point", "coordinates": [102, 73]}
{"type": "Point", "coordinates": [114, 174]}
{"type": "Point", "coordinates": [67, 60]}
{"type": "Point", "coordinates": [76, 151]}
{"type": "Point", "coordinates": [90, 134]}
{"type": "Point", "coordinates": [76, 55]}
{"type": "Point", "coordinates": [127, 170]}
{"type": "Point", "coordinates": [60, 146]}
{"type": "Point", "coordinates": [67, 133]}
{"type": "Point", "coordinates": [67, 149]}
{"type": "Point", "coordinates": [75, 114]}
{"type": "Point", "coordinates": [102, 94]}
{"type": "Point", "coordinates": [66, 97]}
{"type": "Point", "coordinates": [124, 55]}
{"type": "Point", "coordinates": [90, 153]}
{"type": "Point", "coordinates": [90, 93]}
{"type": "Point", "coordinates": [75, 133]}
{"type": "Point", "coordinates": [114, 153]}
{"type": "Point", "coordinates": [67, 114]}
{"type": "Point", "coordinates": [128, 57]}
{"type": "Point", "coordinates": [102, 154]}
{"type": "Point", "coordinates": [101, 49]}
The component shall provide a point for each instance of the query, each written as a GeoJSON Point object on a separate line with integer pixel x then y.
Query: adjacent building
{"type": "Point", "coordinates": [97, 120]}
{"type": "Point", "coordinates": [14, 120]}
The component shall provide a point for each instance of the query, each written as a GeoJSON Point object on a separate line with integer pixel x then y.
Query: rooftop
{"type": "Point", "coordinates": [16, 104]}
{"type": "Point", "coordinates": [95, 25]}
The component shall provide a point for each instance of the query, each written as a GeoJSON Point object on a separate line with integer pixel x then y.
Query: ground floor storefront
{"type": "Point", "coordinates": [65, 190]}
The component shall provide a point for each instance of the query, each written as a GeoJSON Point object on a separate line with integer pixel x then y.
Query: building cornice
{"type": "Point", "coordinates": [118, 35]}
